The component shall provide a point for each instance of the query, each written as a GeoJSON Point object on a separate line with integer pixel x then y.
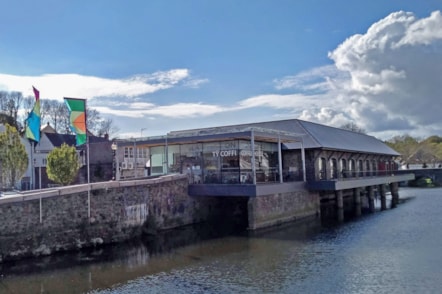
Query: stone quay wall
{"type": "Point", "coordinates": [269, 210]}
{"type": "Point", "coordinates": [67, 218]}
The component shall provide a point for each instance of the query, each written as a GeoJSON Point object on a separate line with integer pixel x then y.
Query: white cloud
{"type": "Point", "coordinates": [424, 31]}
{"type": "Point", "coordinates": [57, 86]}
{"type": "Point", "coordinates": [195, 83]}
{"type": "Point", "coordinates": [395, 73]}
{"type": "Point", "coordinates": [179, 110]}
{"type": "Point", "coordinates": [119, 112]}
{"type": "Point", "coordinates": [319, 79]}
{"type": "Point", "coordinates": [273, 101]}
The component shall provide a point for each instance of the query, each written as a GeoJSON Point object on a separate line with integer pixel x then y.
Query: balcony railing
{"type": "Point", "coordinates": [354, 179]}
{"type": "Point", "coordinates": [243, 176]}
{"type": "Point", "coordinates": [350, 174]}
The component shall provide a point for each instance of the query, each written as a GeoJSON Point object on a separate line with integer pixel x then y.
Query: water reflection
{"type": "Point", "coordinates": [396, 251]}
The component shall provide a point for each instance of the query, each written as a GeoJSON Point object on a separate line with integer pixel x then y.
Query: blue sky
{"type": "Point", "coordinates": [173, 65]}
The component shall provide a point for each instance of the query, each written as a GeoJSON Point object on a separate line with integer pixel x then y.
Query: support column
{"type": "Point", "coordinates": [371, 199]}
{"type": "Point", "coordinates": [394, 188]}
{"type": "Point", "coordinates": [251, 209]}
{"type": "Point", "coordinates": [357, 201]}
{"type": "Point", "coordinates": [383, 197]}
{"type": "Point", "coordinates": [340, 205]}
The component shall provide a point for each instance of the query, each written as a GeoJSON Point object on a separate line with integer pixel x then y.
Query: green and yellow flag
{"type": "Point", "coordinates": [77, 118]}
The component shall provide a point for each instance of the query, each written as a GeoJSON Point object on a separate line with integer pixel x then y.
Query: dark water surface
{"type": "Point", "coordinates": [394, 251]}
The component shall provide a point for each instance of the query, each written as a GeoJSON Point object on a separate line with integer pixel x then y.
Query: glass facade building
{"type": "Point", "coordinates": [236, 157]}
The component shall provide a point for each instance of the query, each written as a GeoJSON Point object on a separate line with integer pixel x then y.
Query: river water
{"type": "Point", "coordinates": [394, 251]}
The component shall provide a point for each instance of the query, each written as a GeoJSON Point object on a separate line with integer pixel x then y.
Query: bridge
{"type": "Point", "coordinates": [424, 176]}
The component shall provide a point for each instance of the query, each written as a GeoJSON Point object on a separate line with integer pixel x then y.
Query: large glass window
{"type": "Point", "coordinates": [292, 166]}
{"type": "Point", "coordinates": [191, 161]}
{"type": "Point", "coordinates": [174, 159]}
{"type": "Point", "coordinates": [211, 163]}
{"type": "Point", "coordinates": [158, 160]}
{"type": "Point", "coordinates": [229, 159]}
{"type": "Point", "coordinates": [245, 162]}
{"type": "Point", "coordinates": [225, 162]}
{"type": "Point", "coordinates": [267, 154]}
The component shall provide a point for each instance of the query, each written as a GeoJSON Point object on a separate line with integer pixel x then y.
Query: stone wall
{"type": "Point", "coordinates": [66, 218]}
{"type": "Point", "coordinates": [42, 222]}
{"type": "Point", "coordinates": [269, 210]}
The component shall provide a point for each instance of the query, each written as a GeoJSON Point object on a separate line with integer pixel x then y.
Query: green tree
{"type": "Point", "coordinates": [63, 164]}
{"type": "Point", "coordinates": [13, 157]}
{"type": "Point", "coordinates": [406, 145]}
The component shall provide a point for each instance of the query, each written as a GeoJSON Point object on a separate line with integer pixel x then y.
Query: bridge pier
{"type": "Point", "coordinates": [340, 205]}
{"type": "Point", "coordinates": [371, 199]}
{"type": "Point", "coordinates": [394, 188]}
{"type": "Point", "coordinates": [357, 201]}
{"type": "Point", "coordinates": [383, 197]}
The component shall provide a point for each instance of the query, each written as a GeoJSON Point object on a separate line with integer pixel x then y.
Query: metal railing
{"type": "Point", "coordinates": [352, 174]}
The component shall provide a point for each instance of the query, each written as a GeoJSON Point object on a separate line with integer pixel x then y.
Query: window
{"type": "Point", "coordinates": [322, 168]}
{"type": "Point", "coordinates": [128, 152]}
{"type": "Point", "coordinates": [360, 168]}
{"type": "Point", "coordinates": [351, 167]}
{"type": "Point", "coordinates": [344, 171]}
{"type": "Point", "coordinates": [334, 168]}
{"type": "Point", "coordinates": [157, 160]}
{"type": "Point", "coordinates": [211, 163]}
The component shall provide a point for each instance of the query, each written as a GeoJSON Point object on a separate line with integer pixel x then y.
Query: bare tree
{"type": "Point", "coordinates": [28, 104]}
{"type": "Point", "coordinates": [55, 113]}
{"type": "Point", "coordinates": [93, 120]}
{"type": "Point", "coordinates": [108, 127]}
{"type": "Point", "coordinates": [10, 103]}
{"type": "Point", "coordinates": [351, 126]}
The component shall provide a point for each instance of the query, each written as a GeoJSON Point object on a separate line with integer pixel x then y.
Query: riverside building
{"type": "Point", "coordinates": [292, 164]}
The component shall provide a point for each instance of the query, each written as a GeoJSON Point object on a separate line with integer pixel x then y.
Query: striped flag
{"type": "Point", "coordinates": [77, 118]}
{"type": "Point", "coordinates": [32, 131]}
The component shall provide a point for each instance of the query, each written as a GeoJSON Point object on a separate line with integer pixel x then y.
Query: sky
{"type": "Point", "coordinates": [165, 65]}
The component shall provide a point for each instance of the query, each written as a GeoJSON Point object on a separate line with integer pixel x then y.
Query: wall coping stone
{"type": "Point", "coordinates": [52, 192]}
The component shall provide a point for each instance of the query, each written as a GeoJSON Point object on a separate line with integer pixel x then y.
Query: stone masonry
{"type": "Point", "coordinates": [73, 217]}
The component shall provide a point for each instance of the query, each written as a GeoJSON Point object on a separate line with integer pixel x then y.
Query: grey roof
{"type": "Point", "coordinates": [318, 136]}
{"type": "Point", "coordinates": [58, 139]}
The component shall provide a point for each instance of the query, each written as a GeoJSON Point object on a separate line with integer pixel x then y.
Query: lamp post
{"type": "Point", "coordinates": [115, 169]}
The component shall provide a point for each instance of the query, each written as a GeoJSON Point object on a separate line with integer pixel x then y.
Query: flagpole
{"type": "Point", "coordinates": [87, 155]}
{"type": "Point", "coordinates": [32, 166]}
{"type": "Point", "coordinates": [88, 178]}
{"type": "Point", "coordinates": [78, 117]}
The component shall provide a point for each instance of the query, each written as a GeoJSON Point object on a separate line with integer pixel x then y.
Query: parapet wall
{"type": "Point", "coordinates": [66, 218]}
